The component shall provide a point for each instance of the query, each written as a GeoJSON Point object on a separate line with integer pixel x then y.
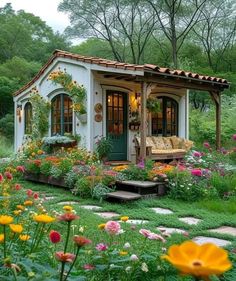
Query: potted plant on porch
{"type": "Point", "coordinates": [104, 148]}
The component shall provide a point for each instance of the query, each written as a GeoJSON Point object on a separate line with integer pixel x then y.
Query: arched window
{"type": "Point", "coordinates": [61, 114]}
{"type": "Point", "coordinates": [165, 122]}
{"type": "Point", "coordinates": [28, 118]}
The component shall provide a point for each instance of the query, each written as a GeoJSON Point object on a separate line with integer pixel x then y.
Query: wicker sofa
{"type": "Point", "coordinates": [161, 148]}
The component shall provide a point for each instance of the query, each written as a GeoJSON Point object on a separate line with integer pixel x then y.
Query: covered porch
{"type": "Point", "coordinates": [170, 87]}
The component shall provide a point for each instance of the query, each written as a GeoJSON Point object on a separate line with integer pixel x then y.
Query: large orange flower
{"type": "Point", "coordinates": [198, 260]}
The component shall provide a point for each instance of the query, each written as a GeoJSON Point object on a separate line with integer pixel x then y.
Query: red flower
{"type": "Point", "coordinates": [81, 241]}
{"type": "Point", "coordinates": [29, 192]}
{"type": "Point", "coordinates": [36, 195]}
{"type": "Point", "coordinates": [64, 257]}
{"type": "Point", "coordinates": [17, 186]}
{"type": "Point", "coordinates": [20, 169]}
{"type": "Point", "coordinates": [1, 177]}
{"type": "Point", "coordinates": [234, 137]}
{"type": "Point", "coordinates": [37, 162]}
{"type": "Point", "coordinates": [68, 217]}
{"type": "Point", "coordinates": [8, 175]}
{"type": "Point", "coordinates": [55, 236]}
{"type": "Point", "coordinates": [206, 145]}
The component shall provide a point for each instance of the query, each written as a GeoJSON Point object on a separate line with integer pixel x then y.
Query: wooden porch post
{"type": "Point", "coordinates": [143, 129]}
{"type": "Point", "coordinates": [216, 96]}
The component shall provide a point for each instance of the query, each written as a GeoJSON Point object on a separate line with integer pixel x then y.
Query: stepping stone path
{"type": "Point", "coordinates": [190, 220]}
{"type": "Point", "coordinates": [107, 215]}
{"type": "Point", "coordinates": [91, 207]}
{"type": "Point", "coordinates": [162, 211]}
{"type": "Point", "coordinates": [203, 239]}
{"type": "Point", "coordinates": [225, 230]}
{"type": "Point", "coordinates": [137, 221]}
{"type": "Point", "coordinates": [68, 203]}
{"type": "Point", "coordinates": [170, 230]}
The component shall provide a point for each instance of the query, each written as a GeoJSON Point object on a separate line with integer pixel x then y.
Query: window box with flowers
{"type": "Point", "coordinates": [76, 91]}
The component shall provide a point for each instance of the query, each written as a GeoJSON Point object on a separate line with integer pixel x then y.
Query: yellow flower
{"type": "Point", "coordinates": [101, 225]}
{"type": "Point", "coordinates": [4, 220]}
{"type": "Point", "coordinates": [28, 203]}
{"type": "Point", "coordinates": [24, 237]}
{"type": "Point", "coordinates": [124, 218]}
{"type": "Point", "coordinates": [1, 238]}
{"type": "Point", "coordinates": [20, 207]}
{"type": "Point", "coordinates": [17, 212]}
{"type": "Point", "coordinates": [40, 152]}
{"type": "Point", "coordinates": [198, 260]}
{"type": "Point", "coordinates": [17, 228]}
{"type": "Point", "coordinates": [33, 154]}
{"type": "Point", "coordinates": [123, 253]}
{"type": "Point", "coordinates": [68, 208]}
{"type": "Point", "coordinates": [120, 168]}
{"type": "Point", "coordinates": [43, 218]}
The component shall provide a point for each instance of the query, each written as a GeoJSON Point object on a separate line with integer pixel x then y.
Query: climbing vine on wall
{"type": "Point", "coordinates": [41, 110]}
{"type": "Point", "coordinates": [72, 88]}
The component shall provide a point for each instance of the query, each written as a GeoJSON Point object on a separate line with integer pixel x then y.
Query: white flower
{"type": "Point", "coordinates": [81, 229]}
{"type": "Point", "coordinates": [144, 267]}
{"type": "Point", "coordinates": [128, 268]}
{"type": "Point", "coordinates": [112, 265]}
{"type": "Point", "coordinates": [134, 257]}
{"type": "Point", "coordinates": [127, 245]}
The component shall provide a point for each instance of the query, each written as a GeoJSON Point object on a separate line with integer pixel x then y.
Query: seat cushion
{"type": "Point", "coordinates": [149, 142]}
{"type": "Point", "coordinates": [168, 143]}
{"type": "Point", "coordinates": [176, 142]}
{"type": "Point", "coordinates": [159, 143]}
{"type": "Point", "coordinates": [167, 151]}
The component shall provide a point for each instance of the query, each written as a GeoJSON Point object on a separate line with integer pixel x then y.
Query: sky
{"type": "Point", "coordinates": [45, 9]}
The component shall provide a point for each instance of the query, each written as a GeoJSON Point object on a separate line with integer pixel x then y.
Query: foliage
{"type": "Point", "coordinates": [6, 147]}
{"type": "Point", "coordinates": [153, 105]}
{"type": "Point", "coordinates": [100, 191]}
{"type": "Point", "coordinates": [104, 147]}
{"type": "Point", "coordinates": [40, 118]}
{"type": "Point", "coordinates": [82, 188]}
{"type": "Point", "coordinates": [73, 89]}
{"type": "Point", "coordinates": [56, 140]}
{"type": "Point", "coordinates": [7, 126]}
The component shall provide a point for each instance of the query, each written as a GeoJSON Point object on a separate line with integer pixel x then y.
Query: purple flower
{"type": "Point", "coordinates": [141, 164]}
{"type": "Point", "coordinates": [234, 137]}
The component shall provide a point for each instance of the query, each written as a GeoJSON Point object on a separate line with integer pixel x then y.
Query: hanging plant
{"type": "Point", "coordinates": [73, 89]}
{"type": "Point", "coordinates": [153, 105]}
{"type": "Point", "coordinates": [40, 116]}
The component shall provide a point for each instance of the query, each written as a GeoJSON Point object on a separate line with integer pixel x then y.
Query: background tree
{"type": "Point", "coordinates": [127, 26]}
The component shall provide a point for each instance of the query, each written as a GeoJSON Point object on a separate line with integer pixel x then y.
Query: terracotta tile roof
{"type": "Point", "coordinates": [120, 65]}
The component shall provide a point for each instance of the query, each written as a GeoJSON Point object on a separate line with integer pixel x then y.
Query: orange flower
{"type": "Point", "coordinates": [16, 228]}
{"type": "Point", "coordinates": [24, 237]}
{"type": "Point", "coordinates": [81, 241]}
{"type": "Point", "coordinates": [28, 203]}
{"type": "Point", "coordinates": [20, 207]}
{"type": "Point", "coordinates": [198, 260]}
{"type": "Point", "coordinates": [68, 217]}
{"type": "Point", "coordinates": [4, 219]}
{"type": "Point", "coordinates": [64, 257]}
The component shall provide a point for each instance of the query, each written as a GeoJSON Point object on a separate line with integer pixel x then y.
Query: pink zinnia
{"type": "Point", "coordinates": [144, 232]}
{"type": "Point", "coordinates": [8, 175]}
{"type": "Point", "coordinates": [20, 169]}
{"type": "Point", "coordinates": [234, 137]}
{"type": "Point", "coordinates": [1, 177]}
{"type": "Point", "coordinates": [206, 145]}
{"type": "Point", "coordinates": [17, 186]}
{"type": "Point", "coordinates": [29, 192]}
{"type": "Point", "coordinates": [112, 227]}
{"type": "Point", "coordinates": [88, 266]}
{"type": "Point", "coordinates": [55, 236]}
{"type": "Point", "coordinates": [154, 236]}
{"type": "Point", "coordinates": [101, 247]}
{"type": "Point", "coordinates": [68, 217]}
{"type": "Point", "coordinates": [197, 154]}
{"type": "Point", "coordinates": [196, 172]}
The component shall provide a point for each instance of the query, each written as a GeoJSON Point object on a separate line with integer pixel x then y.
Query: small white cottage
{"type": "Point", "coordinates": [116, 102]}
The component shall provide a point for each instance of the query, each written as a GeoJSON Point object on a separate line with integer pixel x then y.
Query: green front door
{"type": "Point", "coordinates": [116, 123]}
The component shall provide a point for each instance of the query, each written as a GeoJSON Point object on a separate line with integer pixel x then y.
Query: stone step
{"type": "Point", "coordinates": [123, 195]}
{"type": "Point", "coordinates": [142, 187]}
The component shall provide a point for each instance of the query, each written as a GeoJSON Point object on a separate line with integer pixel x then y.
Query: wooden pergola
{"type": "Point", "coordinates": [177, 79]}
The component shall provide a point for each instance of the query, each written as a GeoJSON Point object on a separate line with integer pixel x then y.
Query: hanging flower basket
{"type": "Point", "coordinates": [82, 117]}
